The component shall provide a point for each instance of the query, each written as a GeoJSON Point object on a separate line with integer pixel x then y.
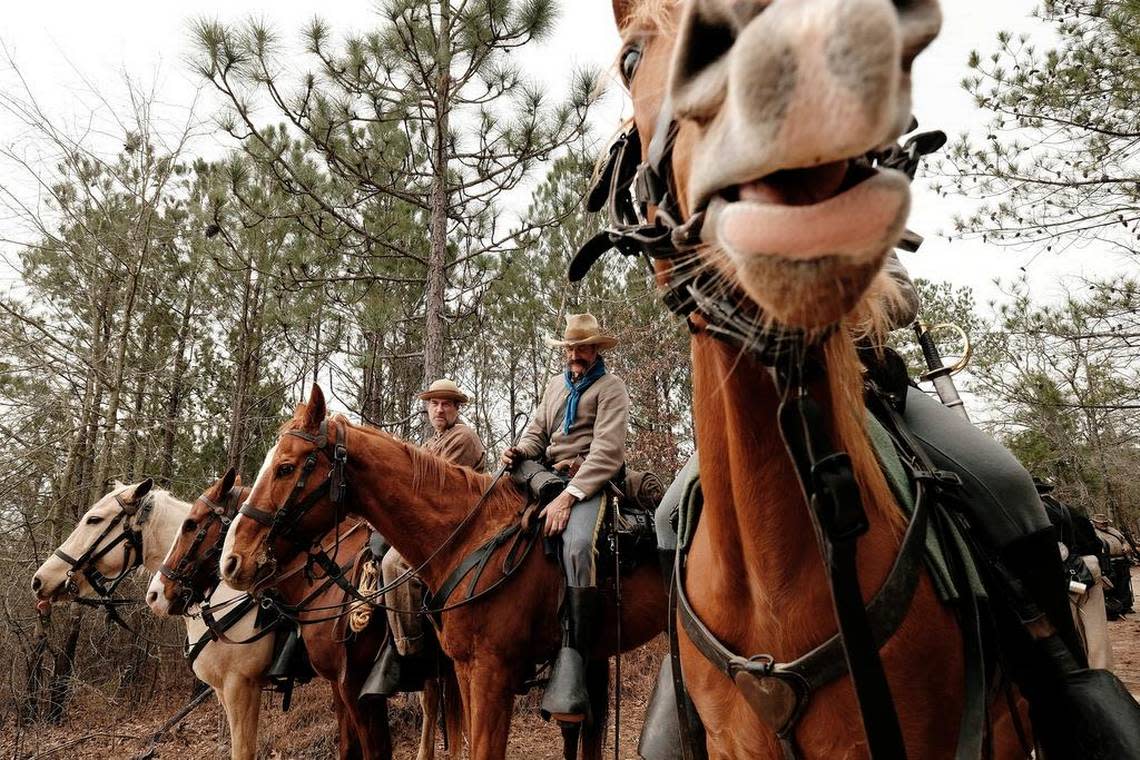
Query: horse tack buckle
{"type": "Point", "coordinates": [774, 699]}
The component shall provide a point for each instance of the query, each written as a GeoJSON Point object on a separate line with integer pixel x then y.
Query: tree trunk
{"type": "Point", "coordinates": [177, 387]}
{"type": "Point", "coordinates": [437, 258]}
{"type": "Point", "coordinates": [60, 689]}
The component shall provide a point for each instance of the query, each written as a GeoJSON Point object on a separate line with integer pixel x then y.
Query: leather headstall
{"type": "Point", "coordinates": [283, 520]}
{"type": "Point", "coordinates": [192, 562]}
{"type": "Point", "coordinates": [131, 517]}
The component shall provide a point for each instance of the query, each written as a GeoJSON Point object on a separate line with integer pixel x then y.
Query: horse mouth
{"type": "Point", "coordinates": [843, 208]}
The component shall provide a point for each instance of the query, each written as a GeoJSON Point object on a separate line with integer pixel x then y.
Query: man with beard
{"type": "Point", "coordinates": [578, 431]}
{"type": "Point", "coordinates": [458, 444]}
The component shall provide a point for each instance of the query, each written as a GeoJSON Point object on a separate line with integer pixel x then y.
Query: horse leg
{"type": "Point", "coordinates": [570, 734]}
{"type": "Point", "coordinates": [489, 702]}
{"type": "Point", "coordinates": [429, 706]}
{"type": "Point", "coordinates": [594, 731]}
{"type": "Point", "coordinates": [375, 734]}
{"type": "Point", "coordinates": [452, 710]}
{"type": "Point", "coordinates": [242, 700]}
{"type": "Point", "coordinates": [348, 736]}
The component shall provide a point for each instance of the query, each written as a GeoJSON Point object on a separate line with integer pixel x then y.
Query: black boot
{"type": "Point", "coordinates": [1080, 712]}
{"type": "Point", "coordinates": [384, 678]}
{"type": "Point", "coordinates": [1076, 712]}
{"type": "Point", "coordinates": [566, 697]}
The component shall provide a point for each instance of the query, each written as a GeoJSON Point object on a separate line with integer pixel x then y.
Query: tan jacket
{"type": "Point", "coordinates": [460, 445]}
{"type": "Point", "coordinates": [596, 441]}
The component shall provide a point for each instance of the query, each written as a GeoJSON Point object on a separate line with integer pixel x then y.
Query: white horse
{"type": "Point", "coordinates": [131, 526]}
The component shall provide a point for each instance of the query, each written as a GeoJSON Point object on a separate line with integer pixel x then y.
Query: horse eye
{"type": "Point", "coordinates": [629, 60]}
{"type": "Point", "coordinates": [94, 520]}
{"type": "Point", "coordinates": [284, 470]}
{"type": "Point", "coordinates": [189, 526]}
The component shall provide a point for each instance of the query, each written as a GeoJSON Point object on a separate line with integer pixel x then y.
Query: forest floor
{"type": "Point", "coordinates": [308, 732]}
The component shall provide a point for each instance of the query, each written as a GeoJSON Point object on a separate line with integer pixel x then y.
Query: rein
{"type": "Point", "coordinates": [284, 521]}
{"type": "Point", "coordinates": [628, 187]}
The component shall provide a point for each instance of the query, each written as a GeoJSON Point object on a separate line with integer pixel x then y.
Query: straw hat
{"type": "Point", "coordinates": [444, 389]}
{"type": "Point", "coordinates": [583, 330]}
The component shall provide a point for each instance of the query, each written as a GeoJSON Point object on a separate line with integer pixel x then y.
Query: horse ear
{"type": "Point", "coordinates": [228, 482]}
{"type": "Point", "coordinates": [142, 489]}
{"type": "Point", "coordinates": [621, 11]}
{"type": "Point", "coordinates": [315, 410]}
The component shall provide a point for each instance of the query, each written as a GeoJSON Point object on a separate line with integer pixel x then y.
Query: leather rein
{"type": "Point", "coordinates": [284, 521]}
{"type": "Point", "coordinates": [628, 187]}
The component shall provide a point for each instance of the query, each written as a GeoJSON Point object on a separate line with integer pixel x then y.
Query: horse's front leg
{"type": "Point", "coordinates": [429, 706]}
{"type": "Point", "coordinates": [242, 701]}
{"type": "Point", "coordinates": [486, 685]}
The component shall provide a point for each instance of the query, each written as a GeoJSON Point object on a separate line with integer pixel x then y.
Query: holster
{"type": "Point", "coordinates": [542, 484]}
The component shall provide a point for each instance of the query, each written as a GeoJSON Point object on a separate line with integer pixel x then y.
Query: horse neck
{"type": "Point", "coordinates": [159, 532]}
{"type": "Point", "coordinates": [418, 513]}
{"type": "Point", "coordinates": [754, 512]}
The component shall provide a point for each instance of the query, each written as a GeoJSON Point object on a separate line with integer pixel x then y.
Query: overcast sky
{"type": "Point", "coordinates": [64, 47]}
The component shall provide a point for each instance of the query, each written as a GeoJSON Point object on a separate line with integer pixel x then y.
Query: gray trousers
{"type": "Point", "coordinates": [997, 493]}
{"type": "Point", "coordinates": [579, 542]}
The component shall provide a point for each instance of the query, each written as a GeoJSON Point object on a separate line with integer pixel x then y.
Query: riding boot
{"type": "Point", "coordinates": [384, 678]}
{"type": "Point", "coordinates": [1077, 712]}
{"type": "Point", "coordinates": [1036, 566]}
{"type": "Point", "coordinates": [566, 698]}
{"type": "Point", "coordinates": [661, 731]}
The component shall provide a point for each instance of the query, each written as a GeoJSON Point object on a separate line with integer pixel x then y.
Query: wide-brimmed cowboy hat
{"type": "Point", "coordinates": [444, 388]}
{"type": "Point", "coordinates": [583, 330]}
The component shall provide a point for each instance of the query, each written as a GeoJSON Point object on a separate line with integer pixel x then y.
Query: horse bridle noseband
{"type": "Point", "coordinates": [191, 562]}
{"type": "Point", "coordinates": [283, 521]}
{"type": "Point", "coordinates": [131, 539]}
{"type": "Point", "coordinates": [627, 187]}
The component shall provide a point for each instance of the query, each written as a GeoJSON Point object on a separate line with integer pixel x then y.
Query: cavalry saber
{"type": "Point", "coordinates": [938, 373]}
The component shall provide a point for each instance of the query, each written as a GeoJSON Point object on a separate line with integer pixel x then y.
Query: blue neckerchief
{"type": "Point", "coordinates": [577, 389]}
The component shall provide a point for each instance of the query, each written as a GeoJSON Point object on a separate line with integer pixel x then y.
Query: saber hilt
{"type": "Point", "coordinates": [938, 373]}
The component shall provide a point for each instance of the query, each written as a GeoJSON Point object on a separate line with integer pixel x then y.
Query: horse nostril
{"type": "Point", "coordinates": [151, 597]}
{"type": "Point", "coordinates": [231, 565]}
{"type": "Point", "coordinates": [36, 583]}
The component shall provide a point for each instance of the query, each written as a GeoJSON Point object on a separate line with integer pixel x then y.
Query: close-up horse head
{"type": "Point", "coordinates": [102, 549]}
{"type": "Point", "coordinates": [764, 117]}
{"type": "Point", "coordinates": [295, 499]}
{"type": "Point", "coordinates": [190, 570]}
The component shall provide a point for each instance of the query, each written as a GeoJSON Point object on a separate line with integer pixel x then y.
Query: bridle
{"type": "Point", "coordinates": [130, 537]}
{"type": "Point", "coordinates": [191, 563]}
{"type": "Point", "coordinates": [627, 187]}
{"type": "Point", "coordinates": [283, 521]}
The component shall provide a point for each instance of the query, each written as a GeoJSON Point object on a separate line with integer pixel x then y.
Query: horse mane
{"type": "Point", "coordinates": [844, 376]}
{"type": "Point", "coordinates": [428, 470]}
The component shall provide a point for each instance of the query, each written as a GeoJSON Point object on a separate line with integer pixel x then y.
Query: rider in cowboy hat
{"type": "Point", "coordinates": [458, 444]}
{"type": "Point", "coordinates": [579, 431]}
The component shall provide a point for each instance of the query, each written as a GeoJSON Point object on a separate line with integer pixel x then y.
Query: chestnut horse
{"type": "Point", "coordinates": [771, 102]}
{"type": "Point", "coordinates": [234, 671]}
{"type": "Point", "coordinates": [191, 565]}
{"type": "Point", "coordinates": [426, 507]}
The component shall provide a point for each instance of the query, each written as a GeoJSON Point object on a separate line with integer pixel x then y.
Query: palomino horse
{"type": "Point", "coordinates": [752, 114]}
{"type": "Point", "coordinates": [131, 526]}
{"type": "Point", "coordinates": [435, 514]}
{"type": "Point", "coordinates": [342, 660]}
